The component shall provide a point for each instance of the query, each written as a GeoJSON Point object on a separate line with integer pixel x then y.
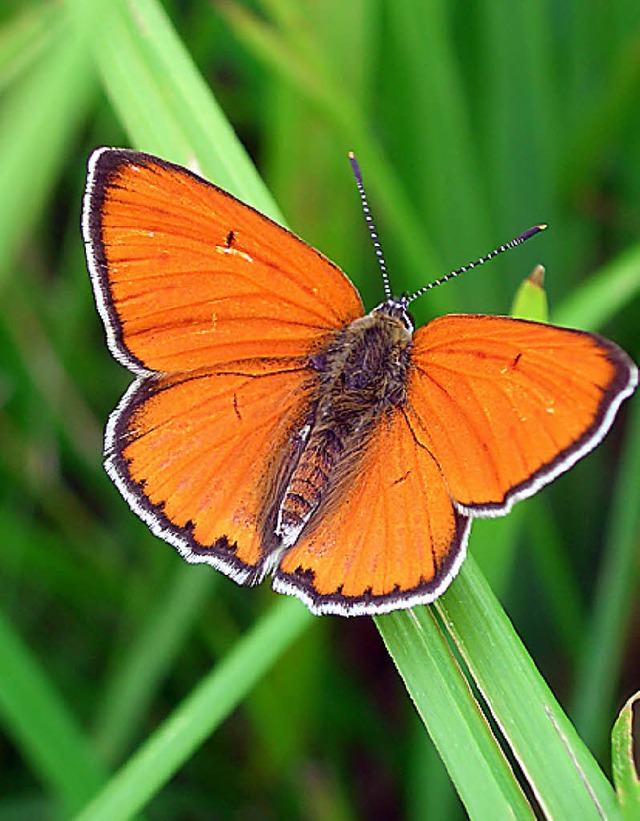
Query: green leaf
{"type": "Point", "coordinates": [603, 294]}
{"type": "Point", "coordinates": [456, 724]}
{"type": "Point", "coordinates": [208, 704]}
{"type": "Point", "coordinates": [164, 103]}
{"type": "Point", "coordinates": [149, 657]}
{"type": "Point", "coordinates": [606, 632]}
{"type": "Point", "coordinates": [564, 777]}
{"type": "Point", "coordinates": [530, 301]}
{"type": "Point", "coordinates": [42, 725]}
{"type": "Point", "coordinates": [296, 66]}
{"type": "Point", "coordinates": [562, 773]}
{"type": "Point", "coordinates": [625, 773]}
{"type": "Point", "coordinates": [61, 80]}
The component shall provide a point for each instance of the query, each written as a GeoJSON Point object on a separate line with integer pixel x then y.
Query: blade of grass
{"type": "Point", "coordinates": [286, 60]}
{"type": "Point", "coordinates": [563, 594]}
{"type": "Point", "coordinates": [610, 111]}
{"type": "Point", "coordinates": [62, 83]}
{"type": "Point", "coordinates": [43, 729]}
{"type": "Point", "coordinates": [24, 38]}
{"type": "Point", "coordinates": [625, 772]}
{"type": "Point", "coordinates": [295, 132]}
{"type": "Point", "coordinates": [518, 86]}
{"type": "Point", "coordinates": [47, 375]}
{"type": "Point", "coordinates": [215, 697]}
{"type": "Point", "coordinates": [530, 301]}
{"type": "Point", "coordinates": [442, 158]}
{"type": "Point", "coordinates": [441, 694]}
{"type": "Point", "coordinates": [132, 686]}
{"type": "Point", "coordinates": [164, 103]}
{"type": "Point", "coordinates": [564, 776]}
{"type": "Point", "coordinates": [601, 296]}
{"type": "Point", "coordinates": [606, 634]}
{"type": "Point", "coordinates": [429, 790]}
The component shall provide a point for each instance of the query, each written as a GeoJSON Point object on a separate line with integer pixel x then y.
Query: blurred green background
{"type": "Point", "coordinates": [471, 122]}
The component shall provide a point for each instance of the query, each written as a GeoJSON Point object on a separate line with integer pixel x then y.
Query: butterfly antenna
{"type": "Point", "coordinates": [370, 225]}
{"type": "Point", "coordinates": [512, 244]}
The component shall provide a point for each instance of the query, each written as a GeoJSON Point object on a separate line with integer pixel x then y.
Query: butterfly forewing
{"type": "Point", "coordinates": [506, 405]}
{"type": "Point", "coordinates": [187, 277]}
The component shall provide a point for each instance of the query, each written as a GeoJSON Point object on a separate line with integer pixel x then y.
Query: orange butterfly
{"type": "Point", "coordinates": [275, 428]}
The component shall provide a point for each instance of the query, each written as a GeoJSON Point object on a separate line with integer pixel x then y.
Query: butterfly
{"type": "Point", "coordinates": [275, 428]}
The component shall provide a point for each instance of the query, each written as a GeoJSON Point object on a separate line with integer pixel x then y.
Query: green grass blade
{"type": "Point", "coordinates": [148, 659]}
{"type": "Point", "coordinates": [530, 301]}
{"type": "Point", "coordinates": [563, 775]}
{"type": "Point", "coordinates": [625, 772]}
{"type": "Point", "coordinates": [441, 694]}
{"type": "Point", "coordinates": [606, 634]}
{"type": "Point", "coordinates": [43, 729]}
{"type": "Point", "coordinates": [23, 39]}
{"type": "Point", "coordinates": [601, 296]}
{"type": "Point", "coordinates": [383, 184]}
{"type": "Point", "coordinates": [516, 84]}
{"type": "Point", "coordinates": [164, 103]}
{"type": "Point", "coordinates": [62, 82]}
{"type": "Point", "coordinates": [563, 596]}
{"type": "Point", "coordinates": [440, 157]}
{"type": "Point", "coordinates": [201, 712]}
{"type": "Point", "coordinates": [561, 772]}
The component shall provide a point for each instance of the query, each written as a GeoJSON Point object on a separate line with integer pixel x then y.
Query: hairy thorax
{"type": "Point", "coordinates": [362, 374]}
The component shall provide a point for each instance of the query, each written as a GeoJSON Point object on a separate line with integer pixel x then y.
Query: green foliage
{"type": "Point", "coordinates": [625, 769]}
{"type": "Point", "coordinates": [131, 681]}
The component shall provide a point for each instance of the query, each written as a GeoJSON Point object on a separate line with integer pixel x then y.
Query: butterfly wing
{"type": "Point", "coordinates": [217, 310]}
{"type": "Point", "coordinates": [395, 538]}
{"type": "Point", "coordinates": [186, 276]}
{"type": "Point", "coordinates": [195, 456]}
{"type": "Point", "coordinates": [506, 405]}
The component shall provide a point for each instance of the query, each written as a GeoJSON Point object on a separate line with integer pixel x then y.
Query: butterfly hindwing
{"type": "Point", "coordinates": [195, 457]}
{"type": "Point", "coordinates": [395, 538]}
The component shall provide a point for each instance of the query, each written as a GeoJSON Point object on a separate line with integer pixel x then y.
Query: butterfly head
{"type": "Point", "coordinates": [397, 307]}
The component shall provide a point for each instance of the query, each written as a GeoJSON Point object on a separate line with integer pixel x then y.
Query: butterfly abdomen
{"type": "Point", "coordinates": [308, 483]}
{"type": "Point", "coordinates": [362, 373]}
